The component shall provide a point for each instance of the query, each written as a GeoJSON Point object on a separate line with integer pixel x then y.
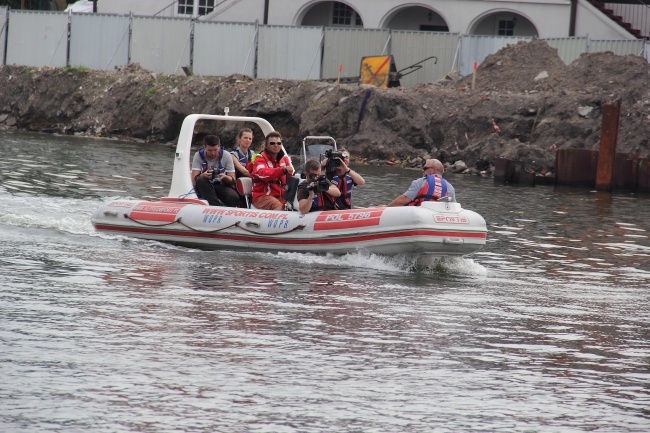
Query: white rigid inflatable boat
{"type": "Point", "coordinates": [440, 228]}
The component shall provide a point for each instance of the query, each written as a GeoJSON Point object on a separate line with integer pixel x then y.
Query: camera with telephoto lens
{"type": "Point", "coordinates": [215, 175]}
{"type": "Point", "coordinates": [332, 162]}
{"type": "Point", "coordinates": [321, 183]}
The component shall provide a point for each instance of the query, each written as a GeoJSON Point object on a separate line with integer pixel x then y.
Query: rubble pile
{"type": "Point", "coordinates": [525, 105]}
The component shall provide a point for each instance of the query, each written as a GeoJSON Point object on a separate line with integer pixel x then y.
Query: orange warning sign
{"type": "Point", "coordinates": [375, 70]}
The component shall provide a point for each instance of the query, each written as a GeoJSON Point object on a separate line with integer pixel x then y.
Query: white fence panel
{"type": "Point", "coordinates": [99, 41]}
{"type": "Point", "coordinates": [289, 52]}
{"type": "Point", "coordinates": [222, 49]}
{"type": "Point", "coordinates": [410, 47]}
{"type": "Point", "coordinates": [37, 38]}
{"type": "Point", "coordinates": [477, 48]}
{"type": "Point", "coordinates": [161, 44]}
{"type": "Point", "coordinates": [618, 46]}
{"type": "Point", "coordinates": [348, 46]}
{"type": "Point", "coordinates": [568, 49]}
{"type": "Point", "coordinates": [3, 31]}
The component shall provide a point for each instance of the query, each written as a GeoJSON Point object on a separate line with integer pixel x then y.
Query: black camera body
{"type": "Point", "coordinates": [215, 175]}
{"type": "Point", "coordinates": [332, 162]}
{"type": "Point", "coordinates": [321, 183]}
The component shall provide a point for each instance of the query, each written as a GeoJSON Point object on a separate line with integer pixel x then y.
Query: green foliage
{"type": "Point", "coordinates": [76, 69]}
{"type": "Point", "coordinates": [151, 91]}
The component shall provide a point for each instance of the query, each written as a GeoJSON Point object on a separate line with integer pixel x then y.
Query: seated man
{"type": "Point", "coordinates": [430, 187]}
{"type": "Point", "coordinates": [213, 174]}
{"type": "Point", "coordinates": [345, 179]}
{"type": "Point", "coordinates": [316, 192]}
{"type": "Point", "coordinates": [269, 171]}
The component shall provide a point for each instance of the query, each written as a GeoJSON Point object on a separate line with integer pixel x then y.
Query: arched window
{"type": "Point", "coordinates": [195, 7]}
{"type": "Point", "coordinates": [344, 15]}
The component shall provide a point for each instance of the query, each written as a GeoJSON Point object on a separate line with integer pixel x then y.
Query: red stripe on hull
{"type": "Point", "coordinates": [266, 239]}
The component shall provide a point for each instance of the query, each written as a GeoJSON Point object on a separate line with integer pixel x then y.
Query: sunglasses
{"type": "Point", "coordinates": [275, 143]}
{"type": "Point", "coordinates": [425, 168]}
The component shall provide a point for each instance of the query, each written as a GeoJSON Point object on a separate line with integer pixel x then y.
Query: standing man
{"type": "Point", "coordinates": [430, 187]}
{"type": "Point", "coordinates": [213, 174]}
{"type": "Point", "coordinates": [269, 171]}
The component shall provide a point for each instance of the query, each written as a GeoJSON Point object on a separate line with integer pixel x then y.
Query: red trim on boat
{"type": "Point", "coordinates": [283, 240]}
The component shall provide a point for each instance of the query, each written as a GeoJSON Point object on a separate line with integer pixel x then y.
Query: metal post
{"type": "Point", "coordinates": [607, 149]}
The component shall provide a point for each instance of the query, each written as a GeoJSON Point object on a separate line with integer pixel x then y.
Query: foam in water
{"type": "Point", "coordinates": [65, 214]}
{"type": "Point", "coordinates": [395, 264]}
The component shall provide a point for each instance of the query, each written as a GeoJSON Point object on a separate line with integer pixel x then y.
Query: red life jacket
{"type": "Point", "coordinates": [433, 189]}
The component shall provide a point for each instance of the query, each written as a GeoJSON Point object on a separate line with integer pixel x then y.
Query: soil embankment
{"type": "Point", "coordinates": [526, 103]}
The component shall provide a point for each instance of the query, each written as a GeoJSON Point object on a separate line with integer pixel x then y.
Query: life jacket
{"type": "Point", "coordinates": [321, 200]}
{"type": "Point", "coordinates": [433, 189]}
{"type": "Point", "coordinates": [272, 187]}
{"type": "Point", "coordinates": [345, 185]}
{"type": "Point", "coordinates": [243, 158]}
{"type": "Point", "coordinates": [204, 166]}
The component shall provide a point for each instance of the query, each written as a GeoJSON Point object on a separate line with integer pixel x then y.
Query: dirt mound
{"type": "Point", "coordinates": [514, 112]}
{"type": "Point", "coordinates": [520, 67]}
{"type": "Point", "coordinates": [606, 71]}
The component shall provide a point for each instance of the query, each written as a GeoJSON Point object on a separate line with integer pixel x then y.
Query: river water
{"type": "Point", "coordinates": [546, 329]}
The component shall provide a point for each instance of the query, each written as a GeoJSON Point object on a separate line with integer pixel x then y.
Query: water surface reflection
{"type": "Point", "coordinates": [546, 329]}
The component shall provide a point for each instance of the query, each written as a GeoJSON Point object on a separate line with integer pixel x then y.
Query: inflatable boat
{"type": "Point", "coordinates": [440, 228]}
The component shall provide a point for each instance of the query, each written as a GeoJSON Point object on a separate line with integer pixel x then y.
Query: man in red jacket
{"type": "Point", "coordinates": [269, 171]}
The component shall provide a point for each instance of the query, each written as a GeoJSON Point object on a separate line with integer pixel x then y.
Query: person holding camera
{"type": "Point", "coordinates": [316, 192]}
{"type": "Point", "coordinates": [343, 177]}
{"type": "Point", "coordinates": [213, 174]}
{"type": "Point", "coordinates": [269, 171]}
{"type": "Point", "coordinates": [430, 187]}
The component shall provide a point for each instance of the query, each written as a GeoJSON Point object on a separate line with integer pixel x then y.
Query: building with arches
{"type": "Point", "coordinates": [533, 18]}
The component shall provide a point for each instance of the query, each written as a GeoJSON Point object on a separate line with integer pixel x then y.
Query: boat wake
{"type": "Point", "coordinates": [40, 212]}
{"type": "Point", "coordinates": [432, 265]}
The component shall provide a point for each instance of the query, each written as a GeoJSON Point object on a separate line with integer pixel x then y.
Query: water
{"type": "Point", "coordinates": [547, 329]}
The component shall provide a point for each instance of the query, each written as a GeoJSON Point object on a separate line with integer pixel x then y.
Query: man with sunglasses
{"type": "Point", "coordinates": [269, 171]}
{"type": "Point", "coordinates": [430, 187]}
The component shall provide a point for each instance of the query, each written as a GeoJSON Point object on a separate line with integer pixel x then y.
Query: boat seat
{"type": "Point", "coordinates": [245, 189]}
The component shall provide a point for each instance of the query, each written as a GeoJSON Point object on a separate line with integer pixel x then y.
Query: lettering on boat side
{"type": "Point", "coordinates": [347, 219]}
{"type": "Point", "coordinates": [121, 204]}
{"type": "Point", "coordinates": [149, 211]}
{"type": "Point", "coordinates": [245, 213]}
{"type": "Point", "coordinates": [278, 224]}
{"type": "Point", "coordinates": [212, 219]}
{"type": "Point", "coordinates": [451, 219]}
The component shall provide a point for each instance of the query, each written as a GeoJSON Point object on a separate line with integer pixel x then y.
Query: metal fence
{"type": "Point", "coordinates": [3, 30]}
{"type": "Point", "coordinates": [289, 52]}
{"type": "Point", "coordinates": [37, 38]}
{"type": "Point", "coordinates": [173, 45]}
{"type": "Point", "coordinates": [99, 42]}
{"type": "Point", "coordinates": [224, 48]}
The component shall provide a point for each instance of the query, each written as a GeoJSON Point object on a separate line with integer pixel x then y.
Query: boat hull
{"type": "Point", "coordinates": [434, 228]}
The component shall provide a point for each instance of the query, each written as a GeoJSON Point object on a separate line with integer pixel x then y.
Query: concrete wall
{"type": "Point", "coordinates": [593, 23]}
{"type": "Point", "coordinates": [546, 19]}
